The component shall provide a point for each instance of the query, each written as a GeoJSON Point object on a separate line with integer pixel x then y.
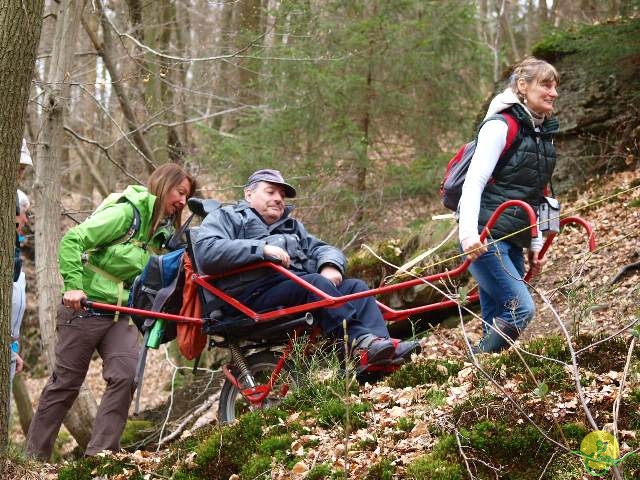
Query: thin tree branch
{"type": "Point", "coordinates": [105, 150]}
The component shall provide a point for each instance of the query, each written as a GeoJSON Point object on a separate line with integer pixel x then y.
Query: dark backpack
{"type": "Point", "coordinates": [456, 172]}
{"type": "Point", "coordinates": [158, 288]}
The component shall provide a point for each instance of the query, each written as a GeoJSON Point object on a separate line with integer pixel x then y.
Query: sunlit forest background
{"type": "Point", "coordinates": [358, 102]}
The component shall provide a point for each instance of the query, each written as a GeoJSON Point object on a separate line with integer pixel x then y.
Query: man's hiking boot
{"type": "Point", "coordinates": [371, 350]}
{"type": "Point", "coordinates": [404, 349]}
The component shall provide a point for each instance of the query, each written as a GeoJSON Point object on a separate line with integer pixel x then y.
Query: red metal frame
{"type": "Point", "coordinates": [328, 301]}
{"type": "Point", "coordinates": [256, 395]}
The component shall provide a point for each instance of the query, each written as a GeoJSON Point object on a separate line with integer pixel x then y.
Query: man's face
{"type": "Point", "coordinates": [267, 199]}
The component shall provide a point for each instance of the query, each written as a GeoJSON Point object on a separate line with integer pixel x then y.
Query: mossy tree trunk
{"type": "Point", "coordinates": [20, 26]}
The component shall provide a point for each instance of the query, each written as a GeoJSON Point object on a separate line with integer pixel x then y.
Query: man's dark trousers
{"type": "Point", "coordinates": [363, 315]}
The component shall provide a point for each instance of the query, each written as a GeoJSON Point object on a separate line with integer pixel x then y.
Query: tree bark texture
{"type": "Point", "coordinates": [48, 200]}
{"type": "Point", "coordinates": [20, 25]}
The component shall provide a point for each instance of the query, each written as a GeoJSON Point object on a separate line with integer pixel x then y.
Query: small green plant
{"type": "Point", "coordinates": [441, 464]}
{"type": "Point", "coordinates": [405, 424]}
{"type": "Point", "coordinates": [435, 397]}
{"type": "Point", "coordinates": [227, 450]}
{"type": "Point", "coordinates": [383, 470]}
{"type": "Point", "coordinates": [368, 444]}
{"type": "Point", "coordinates": [319, 472]}
{"type": "Point", "coordinates": [429, 371]}
{"type": "Point", "coordinates": [336, 412]}
{"type": "Point", "coordinates": [565, 466]}
{"type": "Point", "coordinates": [257, 467]}
{"type": "Point", "coordinates": [91, 467]}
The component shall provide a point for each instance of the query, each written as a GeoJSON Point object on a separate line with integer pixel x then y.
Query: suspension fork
{"type": "Point", "coordinates": [238, 360]}
{"type": "Point", "coordinates": [253, 393]}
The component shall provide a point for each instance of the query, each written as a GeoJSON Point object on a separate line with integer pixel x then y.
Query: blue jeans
{"type": "Point", "coordinates": [503, 293]}
{"type": "Point", "coordinates": [363, 315]}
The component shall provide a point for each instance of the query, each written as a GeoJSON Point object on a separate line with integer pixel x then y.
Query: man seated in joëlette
{"type": "Point", "coordinates": [261, 228]}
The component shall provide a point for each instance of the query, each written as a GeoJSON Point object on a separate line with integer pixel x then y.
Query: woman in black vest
{"type": "Point", "coordinates": [498, 264]}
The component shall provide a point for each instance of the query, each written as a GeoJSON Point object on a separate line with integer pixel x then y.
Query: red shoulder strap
{"type": "Point", "coordinates": [512, 130]}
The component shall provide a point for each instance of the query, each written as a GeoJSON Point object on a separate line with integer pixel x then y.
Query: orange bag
{"type": "Point", "coordinates": [190, 338]}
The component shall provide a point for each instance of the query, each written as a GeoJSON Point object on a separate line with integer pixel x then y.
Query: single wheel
{"type": "Point", "coordinates": [261, 365]}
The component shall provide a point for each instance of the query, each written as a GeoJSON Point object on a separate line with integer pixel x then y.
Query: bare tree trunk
{"type": "Point", "coordinates": [20, 26]}
{"type": "Point", "coordinates": [47, 195]}
{"type": "Point", "coordinates": [106, 54]}
{"type": "Point", "coordinates": [496, 42]}
{"type": "Point", "coordinates": [245, 20]}
{"type": "Point", "coordinates": [506, 26]}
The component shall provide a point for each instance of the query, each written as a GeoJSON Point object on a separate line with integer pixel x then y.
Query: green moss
{"type": "Point", "coordinates": [632, 408]}
{"type": "Point", "coordinates": [229, 449]}
{"type": "Point", "coordinates": [89, 468]}
{"type": "Point", "coordinates": [441, 464]}
{"type": "Point", "coordinates": [601, 48]}
{"type": "Point", "coordinates": [383, 470]}
{"type": "Point", "coordinates": [336, 412]}
{"type": "Point", "coordinates": [631, 466]}
{"type": "Point", "coordinates": [319, 472]}
{"type": "Point", "coordinates": [520, 447]}
{"type": "Point", "coordinates": [565, 466]}
{"type": "Point", "coordinates": [136, 430]}
{"type": "Point", "coordinates": [434, 469]}
{"type": "Point", "coordinates": [429, 371]}
{"type": "Point", "coordinates": [405, 424]}
{"type": "Point", "coordinates": [368, 444]}
{"type": "Point", "coordinates": [545, 370]}
{"type": "Point", "coordinates": [270, 445]}
{"type": "Point", "coordinates": [257, 467]}
{"type": "Point", "coordinates": [575, 432]}
{"type": "Point", "coordinates": [466, 413]}
{"type": "Point", "coordinates": [435, 397]}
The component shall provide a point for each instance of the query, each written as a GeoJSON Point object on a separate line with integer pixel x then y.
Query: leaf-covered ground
{"type": "Point", "coordinates": [440, 416]}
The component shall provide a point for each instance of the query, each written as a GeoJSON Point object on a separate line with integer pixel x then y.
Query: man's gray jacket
{"type": "Point", "coordinates": [235, 235]}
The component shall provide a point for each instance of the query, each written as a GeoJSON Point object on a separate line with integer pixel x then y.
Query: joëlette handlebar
{"type": "Point", "coordinates": [91, 305]}
{"type": "Point", "coordinates": [591, 238]}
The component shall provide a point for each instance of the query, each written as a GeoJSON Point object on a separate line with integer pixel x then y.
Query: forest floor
{"type": "Point", "coordinates": [577, 289]}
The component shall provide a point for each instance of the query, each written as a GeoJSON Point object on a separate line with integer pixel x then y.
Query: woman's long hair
{"type": "Point", "coordinates": [160, 183]}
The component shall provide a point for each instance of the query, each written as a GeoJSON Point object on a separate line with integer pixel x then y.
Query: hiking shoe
{"type": "Point", "coordinates": [404, 349]}
{"type": "Point", "coordinates": [370, 349]}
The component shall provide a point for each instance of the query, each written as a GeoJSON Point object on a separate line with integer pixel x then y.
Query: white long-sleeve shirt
{"type": "Point", "coordinates": [492, 139]}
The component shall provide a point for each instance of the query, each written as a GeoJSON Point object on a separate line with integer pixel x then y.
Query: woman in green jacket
{"type": "Point", "coordinates": [99, 259]}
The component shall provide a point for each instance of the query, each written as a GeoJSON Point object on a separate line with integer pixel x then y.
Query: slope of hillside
{"type": "Point", "coordinates": [413, 422]}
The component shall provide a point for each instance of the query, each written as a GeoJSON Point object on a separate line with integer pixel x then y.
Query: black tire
{"type": "Point", "coordinates": [232, 404]}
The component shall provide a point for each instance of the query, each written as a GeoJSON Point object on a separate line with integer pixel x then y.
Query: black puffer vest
{"type": "Point", "coordinates": [523, 177]}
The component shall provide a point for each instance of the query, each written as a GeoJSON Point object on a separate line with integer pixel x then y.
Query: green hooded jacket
{"type": "Point", "coordinates": [95, 241]}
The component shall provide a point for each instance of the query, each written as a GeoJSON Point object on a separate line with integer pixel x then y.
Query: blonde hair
{"type": "Point", "coordinates": [165, 178]}
{"type": "Point", "coordinates": [530, 70]}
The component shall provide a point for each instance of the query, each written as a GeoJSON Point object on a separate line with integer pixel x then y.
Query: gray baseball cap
{"type": "Point", "coordinates": [271, 176]}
